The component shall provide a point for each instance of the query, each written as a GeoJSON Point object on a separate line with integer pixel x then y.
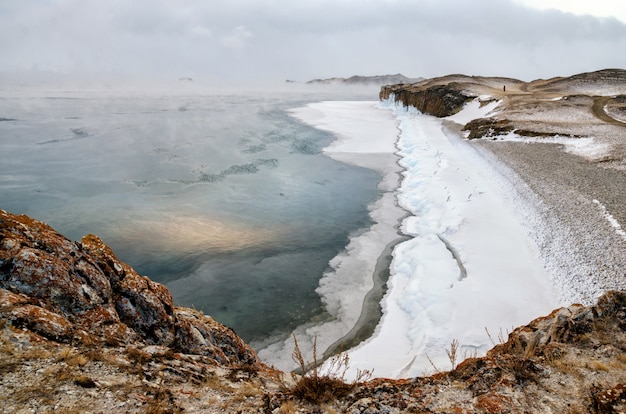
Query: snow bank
{"type": "Point", "coordinates": [469, 270]}
{"type": "Point", "coordinates": [587, 147]}
{"type": "Point", "coordinates": [470, 266]}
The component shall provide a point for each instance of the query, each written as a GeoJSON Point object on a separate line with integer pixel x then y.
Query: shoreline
{"type": "Point", "coordinates": [371, 312]}
{"type": "Point", "coordinates": [400, 311]}
{"type": "Point", "coordinates": [583, 253]}
{"type": "Point", "coordinates": [352, 289]}
{"type": "Point", "coordinates": [440, 274]}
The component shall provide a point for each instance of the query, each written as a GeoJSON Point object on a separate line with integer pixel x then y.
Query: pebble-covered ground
{"type": "Point", "coordinates": [575, 182]}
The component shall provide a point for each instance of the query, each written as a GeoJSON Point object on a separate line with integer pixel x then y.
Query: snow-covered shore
{"type": "Point", "coordinates": [470, 269]}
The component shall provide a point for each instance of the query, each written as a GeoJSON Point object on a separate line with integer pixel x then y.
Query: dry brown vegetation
{"type": "Point", "coordinates": [317, 387]}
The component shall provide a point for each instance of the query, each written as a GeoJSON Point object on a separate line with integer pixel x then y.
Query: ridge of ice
{"type": "Point", "coordinates": [461, 214]}
{"type": "Point", "coordinates": [450, 192]}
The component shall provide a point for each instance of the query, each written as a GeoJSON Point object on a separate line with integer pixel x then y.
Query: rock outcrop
{"type": "Point", "coordinates": [80, 292]}
{"type": "Point", "coordinates": [598, 91]}
{"type": "Point", "coordinates": [437, 100]}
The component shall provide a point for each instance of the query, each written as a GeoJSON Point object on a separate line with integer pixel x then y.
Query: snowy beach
{"type": "Point", "coordinates": [470, 270]}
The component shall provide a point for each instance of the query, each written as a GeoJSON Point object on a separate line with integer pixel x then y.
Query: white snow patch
{"type": "Point", "coordinates": [614, 223]}
{"type": "Point", "coordinates": [449, 191]}
{"type": "Point", "coordinates": [459, 211]}
{"type": "Point", "coordinates": [474, 110]}
{"type": "Point", "coordinates": [586, 147]}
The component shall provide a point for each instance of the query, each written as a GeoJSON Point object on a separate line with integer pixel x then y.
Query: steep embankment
{"type": "Point", "coordinates": [72, 316]}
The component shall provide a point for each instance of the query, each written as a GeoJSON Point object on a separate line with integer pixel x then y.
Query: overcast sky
{"type": "Point", "coordinates": [302, 40]}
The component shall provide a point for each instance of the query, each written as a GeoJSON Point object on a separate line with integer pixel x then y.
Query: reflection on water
{"type": "Point", "coordinates": [226, 198]}
{"type": "Point", "coordinates": [196, 234]}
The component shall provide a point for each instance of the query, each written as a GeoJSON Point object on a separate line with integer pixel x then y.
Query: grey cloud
{"type": "Point", "coordinates": [288, 39]}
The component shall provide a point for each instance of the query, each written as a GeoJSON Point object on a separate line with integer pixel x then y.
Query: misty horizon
{"type": "Point", "coordinates": [273, 41]}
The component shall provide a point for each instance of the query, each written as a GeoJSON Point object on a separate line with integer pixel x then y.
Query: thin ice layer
{"type": "Point", "coordinates": [365, 137]}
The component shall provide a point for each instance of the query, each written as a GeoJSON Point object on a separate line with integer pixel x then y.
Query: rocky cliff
{"type": "Point", "coordinates": [437, 100]}
{"type": "Point", "coordinates": [81, 331]}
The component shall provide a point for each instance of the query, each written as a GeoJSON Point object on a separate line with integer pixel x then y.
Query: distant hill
{"type": "Point", "coordinates": [367, 80]}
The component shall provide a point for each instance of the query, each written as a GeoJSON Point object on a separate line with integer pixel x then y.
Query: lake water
{"type": "Point", "coordinates": [222, 195]}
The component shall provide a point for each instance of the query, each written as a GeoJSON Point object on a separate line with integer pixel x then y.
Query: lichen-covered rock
{"type": "Point", "coordinates": [24, 314]}
{"type": "Point", "coordinates": [64, 291]}
{"type": "Point", "coordinates": [571, 325]}
{"type": "Point", "coordinates": [39, 262]}
{"type": "Point", "coordinates": [200, 334]}
{"type": "Point", "coordinates": [145, 306]}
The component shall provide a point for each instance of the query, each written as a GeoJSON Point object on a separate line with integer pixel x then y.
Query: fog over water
{"type": "Point", "coordinates": [223, 196]}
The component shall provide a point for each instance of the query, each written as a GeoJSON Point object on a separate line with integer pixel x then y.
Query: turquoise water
{"type": "Point", "coordinates": [222, 196]}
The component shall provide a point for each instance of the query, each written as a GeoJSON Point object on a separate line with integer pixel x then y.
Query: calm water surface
{"type": "Point", "coordinates": [222, 196]}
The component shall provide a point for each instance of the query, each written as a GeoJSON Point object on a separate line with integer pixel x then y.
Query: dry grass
{"type": "Point", "coordinates": [524, 370]}
{"type": "Point", "coordinates": [315, 387]}
{"type": "Point", "coordinates": [568, 367]}
{"type": "Point", "coordinates": [42, 394]}
{"type": "Point", "coordinates": [36, 353]}
{"type": "Point", "coordinates": [288, 407]}
{"type": "Point", "coordinates": [598, 366]}
{"type": "Point", "coordinates": [217, 383]}
{"type": "Point", "coordinates": [162, 400]}
{"type": "Point", "coordinates": [502, 337]}
{"type": "Point", "coordinates": [452, 352]}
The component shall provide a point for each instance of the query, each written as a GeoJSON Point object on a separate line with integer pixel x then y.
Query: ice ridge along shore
{"type": "Point", "coordinates": [471, 269]}
{"type": "Point", "coordinates": [469, 266]}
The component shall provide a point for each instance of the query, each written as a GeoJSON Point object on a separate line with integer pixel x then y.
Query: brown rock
{"type": "Point", "coordinates": [437, 100]}
{"type": "Point", "coordinates": [60, 289]}
{"type": "Point", "coordinates": [28, 316]}
{"type": "Point", "coordinates": [200, 334]}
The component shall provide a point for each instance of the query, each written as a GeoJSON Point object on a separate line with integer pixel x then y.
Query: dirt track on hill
{"type": "Point", "coordinates": [600, 113]}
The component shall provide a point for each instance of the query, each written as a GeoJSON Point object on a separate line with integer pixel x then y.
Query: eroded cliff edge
{"type": "Point", "coordinates": [81, 331]}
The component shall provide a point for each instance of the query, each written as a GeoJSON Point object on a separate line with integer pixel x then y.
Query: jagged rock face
{"type": "Point", "coordinates": [437, 100]}
{"type": "Point", "coordinates": [572, 325]}
{"type": "Point", "coordinates": [64, 290]}
{"type": "Point", "coordinates": [145, 306]}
